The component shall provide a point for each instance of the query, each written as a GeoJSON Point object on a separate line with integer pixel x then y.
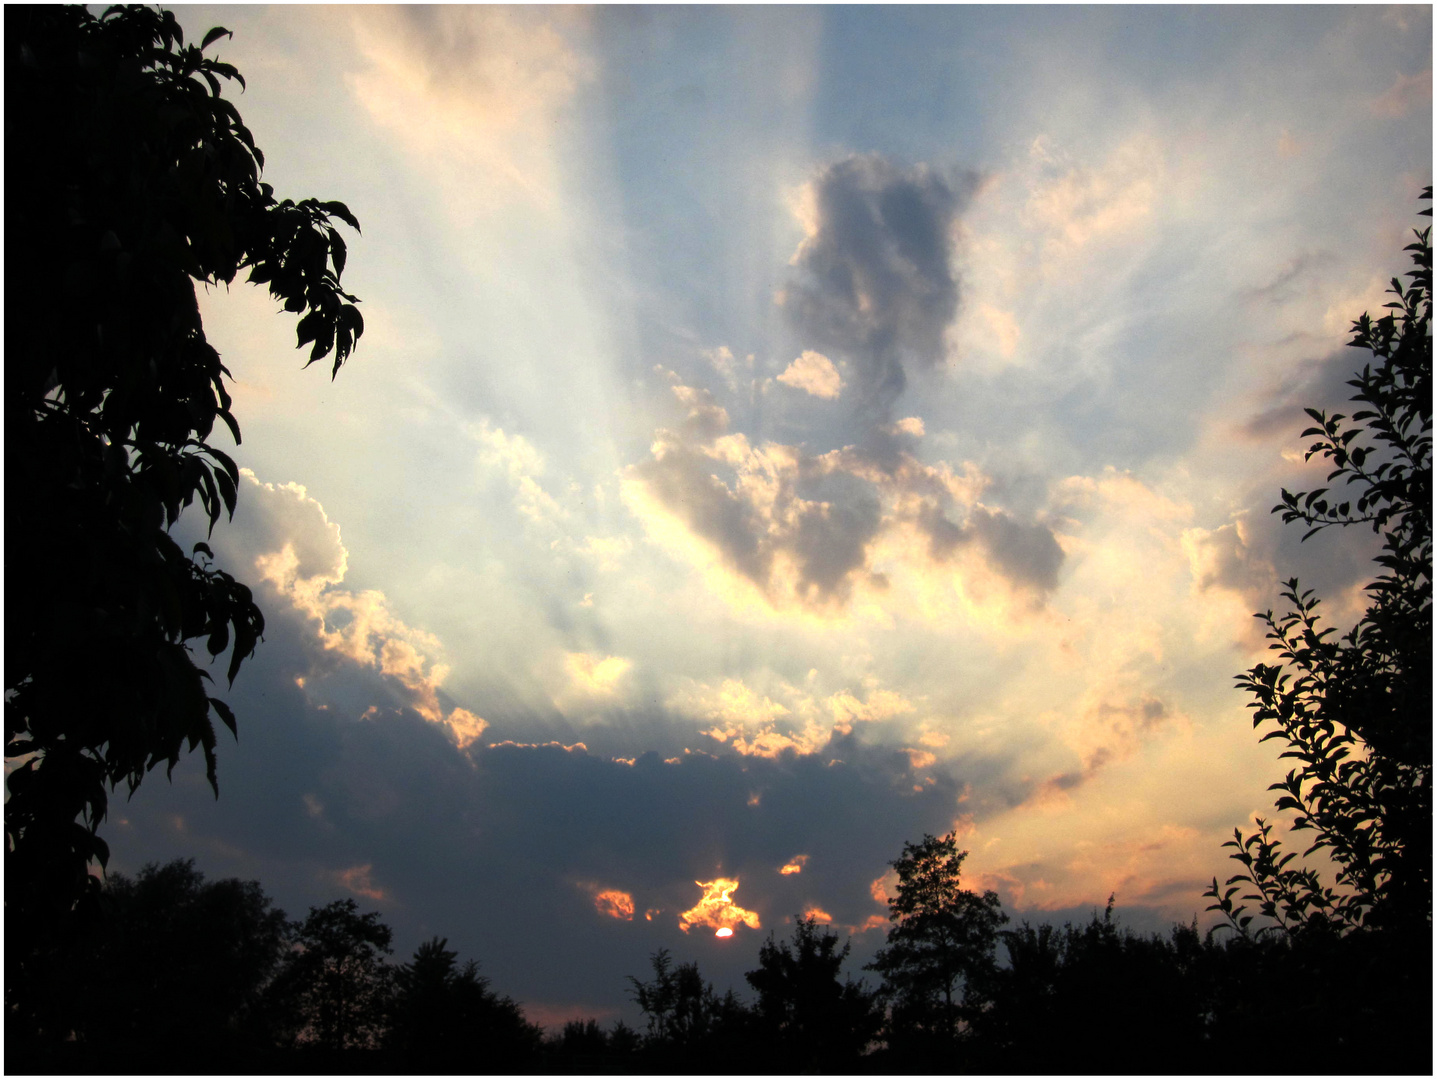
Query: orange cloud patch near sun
{"type": "Point", "coordinates": [615, 904]}
{"type": "Point", "coordinates": [717, 909]}
{"type": "Point", "coordinates": [794, 865]}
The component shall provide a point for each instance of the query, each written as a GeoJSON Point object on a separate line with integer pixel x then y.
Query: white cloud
{"type": "Point", "coordinates": [301, 557]}
{"type": "Point", "coordinates": [813, 373]}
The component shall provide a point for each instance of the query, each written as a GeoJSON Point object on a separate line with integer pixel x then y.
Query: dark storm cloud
{"type": "Point", "coordinates": [875, 281]}
{"type": "Point", "coordinates": [503, 849]}
{"type": "Point", "coordinates": [338, 787]}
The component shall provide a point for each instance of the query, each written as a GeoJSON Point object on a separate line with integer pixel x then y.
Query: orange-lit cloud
{"type": "Point", "coordinates": [615, 903]}
{"type": "Point", "coordinates": [873, 922]}
{"type": "Point", "coordinates": [794, 865]}
{"type": "Point", "coordinates": [578, 746]}
{"type": "Point", "coordinates": [817, 914]}
{"type": "Point", "coordinates": [884, 886]}
{"type": "Point", "coordinates": [717, 909]}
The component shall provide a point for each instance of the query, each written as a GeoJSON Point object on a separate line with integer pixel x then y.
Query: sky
{"type": "Point", "coordinates": [780, 433]}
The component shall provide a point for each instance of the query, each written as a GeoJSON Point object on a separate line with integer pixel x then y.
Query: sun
{"type": "Point", "coordinates": [723, 931]}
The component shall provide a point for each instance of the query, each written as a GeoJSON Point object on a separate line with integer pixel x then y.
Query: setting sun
{"type": "Point", "coordinates": [717, 909]}
{"type": "Point", "coordinates": [723, 931]}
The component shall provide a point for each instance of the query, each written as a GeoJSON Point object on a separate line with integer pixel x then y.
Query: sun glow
{"type": "Point", "coordinates": [723, 931]}
{"type": "Point", "coordinates": [717, 909]}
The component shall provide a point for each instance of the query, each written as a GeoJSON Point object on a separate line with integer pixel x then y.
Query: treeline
{"type": "Point", "coordinates": [184, 975]}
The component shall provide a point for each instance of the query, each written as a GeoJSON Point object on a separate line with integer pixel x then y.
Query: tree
{"type": "Point", "coordinates": [172, 971]}
{"type": "Point", "coordinates": [822, 1024]}
{"type": "Point", "coordinates": [943, 941]}
{"type": "Point", "coordinates": [139, 181]}
{"type": "Point", "coordinates": [690, 1027]}
{"type": "Point", "coordinates": [334, 988]}
{"type": "Point", "coordinates": [445, 1019]}
{"type": "Point", "coordinates": [678, 1004]}
{"type": "Point", "coordinates": [1094, 998]}
{"type": "Point", "coordinates": [1356, 713]}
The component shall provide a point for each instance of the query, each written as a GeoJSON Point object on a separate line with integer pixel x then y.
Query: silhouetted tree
{"type": "Point", "coordinates": [1094, 998]}
{"type": "Point", "coordinates": [171, 971]}
{"type": "Point", "coordinates": [690, 1027]}
{"type": "Point", "coordinates": [677, 1004]}
{"type": "Point", "coordinates": [819, 1023]}
{"type": "Point", "coordinates": [139, 180]}
{"type": "Point", "coordinates": [445, 1019]}
{"type": "Point", "coordinates": [333, 990]}
{"type": "Point", "coordinates": [1358, 716]}
{"type": "Point", "coordinates": [942, 943]}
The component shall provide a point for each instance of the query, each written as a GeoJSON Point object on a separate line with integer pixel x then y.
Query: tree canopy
{"type": "Point", "coordinates": [1356, 713]}
{"type": "Point", "coordinates": [140, 181]}
{"type": "Point", "coordinates": [943, 939]}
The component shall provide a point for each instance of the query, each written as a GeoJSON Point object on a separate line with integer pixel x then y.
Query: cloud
{"type": "Point", "coordinates": [1407, 93]}
{"type": "Point", "coordinates": [593, 675]}
{"type": "Point", "coordinates": [1224, 558]}
{"type": "Point", "coordinates": [357, 879]}
{"type": "Point", "coordinates": [1106, 731]}
{"type": "Point", "coordinates": [716, 908]}
{"type": "Point", "coordinates": [872, 277]}
{"type": "Point", "coordinates": [615, 904]}
{"type": "Point", "coordinates": [472, 94]}
{"type": "Point", "coordinates": [302, 558]}
{"type": "Point", "coordinates": [1026, 554]}
{"type": "Point", "coordinates": [796, 531]}
{"type": "Point", "coordinates": [794, 865]}
{"type": "Point", "coordinates": [516, 458]}
{"type": "Point", "coordinates": [813, 373]}
{"type": "Point", "coordinates": [1077, 205]}
{"type": "Point", "coordinates": [1316, 384]}
{"type": "Point", "coordinates": [731, 702]}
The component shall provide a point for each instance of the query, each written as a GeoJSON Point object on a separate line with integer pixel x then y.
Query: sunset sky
{"type": "Point", "coordinates": [779, 433]}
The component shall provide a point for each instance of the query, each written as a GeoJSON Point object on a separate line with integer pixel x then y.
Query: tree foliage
{"type": "Point", "coordinates": [819, 1022]}
{"type": "Point", "coordinates": [174, 964]}
{"type": "Point", "coordinates": [334, 985]}
{"type": "Point", "coordinates": [445, 1019]}
{"type": "Point", "coordinates": [943, 941]}
{"type": "Point", "coordinates": [1356, 712]}
{"type": "Point", "coordinates": [139, 181]}
{"type": "Point", "coordinates": [678, 1005]}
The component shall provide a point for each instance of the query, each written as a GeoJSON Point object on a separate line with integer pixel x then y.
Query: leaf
{"type": "Point", "coordinates": [338, 253]}
{"type": "Point", "coordinates": [227, 492]}
{"type": "Point", "coordinates": [339, 210]}
{"type": "Point", "coordinates": [225, 714]}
